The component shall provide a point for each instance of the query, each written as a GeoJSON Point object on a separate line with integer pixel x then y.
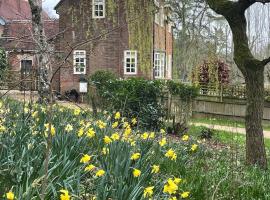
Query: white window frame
{"type": "Point", "coordinates": [94, 4]}
{"type": "Point", "coordinates": [159, 65]}
{"type": "Point", "coordinates": [80, 54]}
{"type": "Point", "coordinates": [128, 55]}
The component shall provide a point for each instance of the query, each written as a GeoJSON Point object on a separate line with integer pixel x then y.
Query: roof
{"type": "Point", "coordinates": [17, 10]}
{"type": "Point", "coordinates": [18, 34]}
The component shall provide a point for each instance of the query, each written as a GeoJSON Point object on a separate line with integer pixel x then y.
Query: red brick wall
{"type": "Point", "coordinates": [106, 53]}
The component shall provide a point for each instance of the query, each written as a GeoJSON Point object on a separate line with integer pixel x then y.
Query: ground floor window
{"type": "Point", "coordinates": [130, 62]}
{"type": "Point", "coordinates": [159, 65]}
{"type": "Point", "coordinates": [26, 67]}
{"type": "Point", "coordinates": [79, 61]}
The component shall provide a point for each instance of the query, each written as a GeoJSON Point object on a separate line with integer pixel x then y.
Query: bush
{"type": "Point", "coordinates": [134, 98]}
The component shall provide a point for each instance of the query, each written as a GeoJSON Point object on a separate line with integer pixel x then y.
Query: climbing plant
{"type": "Point", "coordinates": [3, 63]}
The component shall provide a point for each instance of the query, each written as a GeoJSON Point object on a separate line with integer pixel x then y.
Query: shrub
{"type": "Point", "coordinates": [134, 98]}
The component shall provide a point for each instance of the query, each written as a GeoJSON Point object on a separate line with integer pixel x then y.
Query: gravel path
{"type": "Point", "coordinates": [228, 128]}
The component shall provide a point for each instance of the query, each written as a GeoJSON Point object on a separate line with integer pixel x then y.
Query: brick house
{"type": "Point", "coordinates": [16, 39]}
{"type": "Point", "coordinates": [128, 37]}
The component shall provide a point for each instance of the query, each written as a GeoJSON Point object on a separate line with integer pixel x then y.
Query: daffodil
{"type": "Point", "coordinates": [80, 132]}
{"type": "Point", "coordinates": [100, 173]}
{"type": "Point", "coordinates": [136, 173]}
{"type": "Point", "coordinates": [91, 133]}
{"type": "Point", "coordinates": [162, 131]}
{"type": "Point", "coordinates": [117, 115]}
{"type": "Point", "coordinates": [127, 132]}
{"type": "Point", "coordinates": [134, 121]}
{"type": "Point", "coordinates": [148, 192]}
{"type": "Point", "coordinates": [89, 167]}
{"type": "Point", "coordinates": [101, 124]}
{"type": "Point", "coordinates": [105, 151]}
{"type": "Point", "coordinates": [152, 135]}
{"type": "Point", "coordinates": [171, 154]}
{"type": "Point", "coordinates": [173, 198]}
{"type": "Point", "coordinates": [77, 112]}
{"type": "Point", "coordinates": [177, 180]}
{"type": "Point", "coordinates": [115, 136]}
{"type": "Point", "coordinates": [135, 156]}
{"type": "Point", "coordinates": [185, 195]}
{"type": "Point", "coordinates": [2, 128]}
{"type": "Point", "coordinates": [85, 159]}
{"type": "Point", "coordinates": [185, 137]}
{"type": "Point", "coordinates": [155, 169]}
{"type": "Point", "coordinates": [69, 128]}
{"type": "Point", "coordinates": [10, 195]}
{"type": "Point", "coordinates": [170, 187]}
{"type": "Point", "coordinates": [34, 114]}
{"type": "Point", "coordinates": [194, 147]}
{"type": "Point", "coordinates": [107, 139]}
{"type": "Point", "coordinates": [145, 136]}
{"type": "Point", "coordinates": [163, 142]}
{"type": "Point", "coordinates": [64, 195]}
{"type": "Point", "coordinates": [115, 124]}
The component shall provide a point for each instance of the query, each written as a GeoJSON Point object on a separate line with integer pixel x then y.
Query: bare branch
{"type": "Point", "coordinates": [266, 61]}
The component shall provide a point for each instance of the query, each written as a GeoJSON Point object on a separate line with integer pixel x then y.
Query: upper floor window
{"type": "Point", "coordinates": [130, 62]}
{"type": "Point", "coordinates": [98, 9]}
{"type": "Point", "coordinates": [79, 62]}
{"type": "Point", "coordinates": [159, 65]}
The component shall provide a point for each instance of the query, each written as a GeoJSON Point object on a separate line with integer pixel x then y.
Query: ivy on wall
{"type": "Point", "coordinates": [139, 16]}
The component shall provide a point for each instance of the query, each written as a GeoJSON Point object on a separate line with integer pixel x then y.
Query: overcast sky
{"type": "Point", "coordinates": [49, 5]}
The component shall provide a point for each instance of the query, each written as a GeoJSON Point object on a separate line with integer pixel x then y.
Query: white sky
{"type": "Point", "coordinates": [49, 5]}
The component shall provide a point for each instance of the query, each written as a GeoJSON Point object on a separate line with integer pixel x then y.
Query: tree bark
{"type": "Point", "coordinates": [255, 148]}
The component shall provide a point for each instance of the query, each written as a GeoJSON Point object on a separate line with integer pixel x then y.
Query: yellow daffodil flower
{"type": "Point", "coordinates": [69, 128]}
{"type": "Point", "coordinates": [80, 132]}
{"type": "Point", "coordinates": [170, 187]}
{"type": "Point", "coordinates": [171, 154]}
{"type": "Point", "coordinates": [135, 156]}
{"type": "Point", "coordinates": [107, 139]}
{"type": "Point", "coordinates": [64, 195]}
{"type": "Point", "coordinates": [185, 138]}
{"type": "Point", "coordinates": [148, 192]}
{"type": "Point", "coordinates": [163, 142]}
{"type": "Point", "coordinates": [100, 173]}
{"type": "Point", "coordinates": [115, 124]}
{"type": "Point", "coordinates": [117, 115]}
{"type": "Point", "coordinates": [89, 168]}
{"type": "Point", "coordinates": [136, 173]}
{"type": "Point", "coordinates": [10, 195]}
{"type": "Point", "coordinates": [115, 136]}
{"type": "Point", "coordinates": [194, 147]}
{"type": "Point", "coordinates": [91, 133]}
{"type": "Point", "coordinates": [185, 195]}
{"type": "Point", "coordinates": [155, 169]}
{"type": "Point", "coordinates": [85, 159]}
{"type": "Point", "coordinates": [134, 121]}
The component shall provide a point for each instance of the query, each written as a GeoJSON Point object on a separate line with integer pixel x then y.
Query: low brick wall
{"type": "Point", "coordinates": [226, 107]}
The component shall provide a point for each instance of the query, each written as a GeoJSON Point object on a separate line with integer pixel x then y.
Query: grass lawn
{"type": "Point", "coordinates": [225, 122]}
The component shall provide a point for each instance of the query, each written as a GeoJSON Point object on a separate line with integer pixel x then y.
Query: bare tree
{"type": "Point", "coordinates": [253, 71]}
{"type": "Point", "coordinates": [43, 65]}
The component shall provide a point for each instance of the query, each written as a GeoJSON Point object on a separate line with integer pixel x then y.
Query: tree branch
{"type": "Point", "coordinates": [266, 61]}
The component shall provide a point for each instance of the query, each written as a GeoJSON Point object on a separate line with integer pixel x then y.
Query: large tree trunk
{"type": "Point", "coordinates": [255, 149]}
{"type": "Point", "coordinates": [252, 69]}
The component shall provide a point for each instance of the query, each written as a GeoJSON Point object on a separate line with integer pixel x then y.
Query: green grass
{"type": "Point", "coordinates": [225, 136]}
{"type": "Point", "coordinates": [225, 122]}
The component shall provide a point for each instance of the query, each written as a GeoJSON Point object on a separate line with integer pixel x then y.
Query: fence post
{"type": "Point", "coordinates": [221, 93]}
